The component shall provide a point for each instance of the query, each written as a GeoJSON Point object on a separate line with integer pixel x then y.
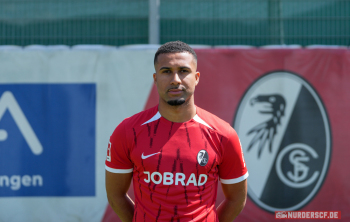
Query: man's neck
{"type": "Point", "coordinates": [178, 114]}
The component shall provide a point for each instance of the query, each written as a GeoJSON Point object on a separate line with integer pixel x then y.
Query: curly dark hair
{"type": "Point", "coordinates": [173, 47]}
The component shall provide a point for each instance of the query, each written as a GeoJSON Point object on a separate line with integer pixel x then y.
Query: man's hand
{"type": "Point", "coordinates": [117, 186]}
{"type": "Point", "coordinates": [235, 199]}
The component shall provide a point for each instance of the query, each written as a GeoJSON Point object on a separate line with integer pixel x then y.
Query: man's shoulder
{"type": "Point", "coordinates": [215, 122]}
{"type": "Point", "coordinates": [140, 118]}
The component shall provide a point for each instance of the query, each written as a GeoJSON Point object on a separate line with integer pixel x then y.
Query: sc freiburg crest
{"type": "Point", "coordinates": [285, 133]}
{"type": "Point", "coordinates": [202, 157]}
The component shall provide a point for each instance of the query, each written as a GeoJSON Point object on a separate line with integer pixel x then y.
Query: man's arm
{"type": "Point", "coordinates": [235, 199]}
{"type": "Point", "coordinates": [117, 186]}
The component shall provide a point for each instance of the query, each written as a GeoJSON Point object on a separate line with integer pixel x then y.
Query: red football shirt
{"type": "Point", "coordinates": [176, 166]}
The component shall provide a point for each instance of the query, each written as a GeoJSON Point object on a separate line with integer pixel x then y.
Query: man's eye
{"type": "Point", "coordinates": [183, 70]}
{"type": "Point", "coordinates": [166, 71]}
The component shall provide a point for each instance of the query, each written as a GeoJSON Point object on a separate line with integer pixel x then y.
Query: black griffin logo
{"type": "Point", "coordinates": [266, 131]}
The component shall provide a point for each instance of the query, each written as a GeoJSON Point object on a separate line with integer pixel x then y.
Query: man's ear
{"type": "Point", "coordinates": [197, 77]}
{"type": "Point", "coordinates": [154, 78]}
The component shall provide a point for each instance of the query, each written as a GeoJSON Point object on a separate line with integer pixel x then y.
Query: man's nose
{"type": "Point", "coordinates": [176, 79]}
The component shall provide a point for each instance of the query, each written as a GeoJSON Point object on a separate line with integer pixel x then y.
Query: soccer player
{"type": "Point", "coordinates": [175, 152]}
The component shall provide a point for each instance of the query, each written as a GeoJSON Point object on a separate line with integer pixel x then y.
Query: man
{"type": "Point", "coordinates": [175, 152]}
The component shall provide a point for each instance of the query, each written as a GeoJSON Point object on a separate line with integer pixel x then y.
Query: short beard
{"type": "Point", "coordinates": [176, 102]}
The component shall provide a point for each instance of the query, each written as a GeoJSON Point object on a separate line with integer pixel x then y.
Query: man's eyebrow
{"type": "Point", "coordinates": [181, 67]}
{"type": "Point", "coordinates": [184, 67]}
{"type": "Point", "coordinates": [164, 68]}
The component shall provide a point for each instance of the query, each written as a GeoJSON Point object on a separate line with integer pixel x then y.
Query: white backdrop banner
{"type": "Point", "coordinates": [58, 108]}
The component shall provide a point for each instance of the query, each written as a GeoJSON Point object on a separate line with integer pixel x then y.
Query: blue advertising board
{"type": "Point", "coordinates": [47, 139]}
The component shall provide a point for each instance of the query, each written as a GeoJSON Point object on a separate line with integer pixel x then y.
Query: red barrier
{"type": "Point", "coordinates": [232, 80]}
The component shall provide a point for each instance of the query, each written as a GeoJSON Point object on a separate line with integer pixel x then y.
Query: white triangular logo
{"type": "Point", "coordinates": [8, 101]}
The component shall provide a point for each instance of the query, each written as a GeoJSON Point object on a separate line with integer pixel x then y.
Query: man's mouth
{"type": "Point", "coordinates": [175, 91]}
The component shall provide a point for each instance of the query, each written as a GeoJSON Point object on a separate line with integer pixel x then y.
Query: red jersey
{"type": "Point", "coordinates": [176, 166]}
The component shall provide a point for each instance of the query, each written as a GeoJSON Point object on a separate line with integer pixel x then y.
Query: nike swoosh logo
{"type": "Point", "coordinates": [145, 157]}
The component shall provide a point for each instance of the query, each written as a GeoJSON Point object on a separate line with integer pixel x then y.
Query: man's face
{"type": "Point", "coordinates": [176, 77]}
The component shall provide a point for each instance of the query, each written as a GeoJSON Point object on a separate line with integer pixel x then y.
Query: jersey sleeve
{"type": "Point", "coordinates": [118, 153]}
{"type": "Point", "coordinates": [232, 168]}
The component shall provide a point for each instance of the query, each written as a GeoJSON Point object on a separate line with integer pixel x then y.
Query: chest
{"type": "Point", "coordinates": [186, 149]}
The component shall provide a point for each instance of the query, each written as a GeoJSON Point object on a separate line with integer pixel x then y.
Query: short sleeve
{"type": "Point", "coordinates": [118, 153]}
{"type": "Point", "coordinates": [232, 168]}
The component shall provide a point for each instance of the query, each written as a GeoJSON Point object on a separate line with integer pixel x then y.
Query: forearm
{"type": "Point", "coordinates": [229, 210]}
{"type": "Point", "coordinates": [123, 206]}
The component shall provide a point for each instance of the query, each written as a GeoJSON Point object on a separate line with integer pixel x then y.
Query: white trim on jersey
{"type": "Point", "coordinates": [154, 118]}
{"type": "Point", "coordinates": [237, 180]}
{"type": "Point", "coordinates": [112, 170]}
{"type": "Point", "coordinates": [199, 120]}
{"type": "Point", "coordinates": [195, 118]}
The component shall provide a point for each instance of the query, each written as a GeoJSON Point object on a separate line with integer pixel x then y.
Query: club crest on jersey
{"type": "Point", "coordinates": [285, 133]}
{"type": "Point", "coordinates": [202, 157]}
